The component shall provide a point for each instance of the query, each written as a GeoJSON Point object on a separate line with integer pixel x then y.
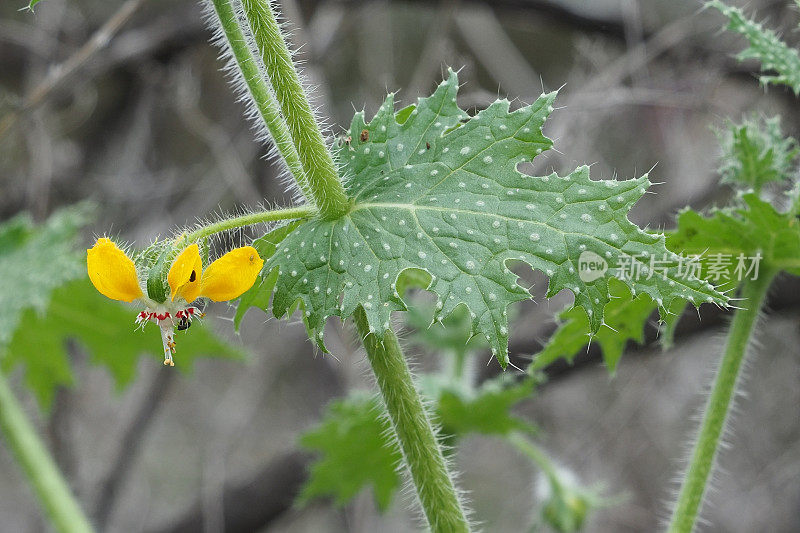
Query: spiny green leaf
{"type": "Point", "coordinates": [35, 260]}
{"type": "Point", "coordinates": [757, 228]}
{"type": "Point", "coordinates": [625, 319]}
{"type": "Point", "coordinates": [453, 334]}
{"type": "Point", "coordinates": [441, 192]}
{"type": "Point", "coordinates": [755, 153]}
{"type": "Point", "coordinates": [765, 46]}
{"type": "Point", "coordinates": [356, 451]}
{"type": "Point", "coordinates": [105, 328]}
{"type": "Point", "coordinates": [259, 294]}
{"type": "Point", "coordinates": [726, 241]}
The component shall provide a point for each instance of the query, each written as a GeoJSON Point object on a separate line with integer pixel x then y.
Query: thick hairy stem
{"type": "Point", "coordinates": [249, 219]}
{"type": "Point", "coordinates": [695, 480]}
{"type": "Point", "coordinates": [37, 463]}
{"type": "Point", "coordinates": [422, 453]}
{"type": "Point", "coordinates": [260, 91]}
{"type": "Point", "coordinates": [323, 179]}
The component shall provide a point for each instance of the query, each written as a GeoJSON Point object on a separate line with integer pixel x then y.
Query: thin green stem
{"type": "Point", "coordinates": [38, 465]}
{"type": "Point", "coordinates": [249, 219]}
{"type": "Point", "coordinates": [422, 453]}
{"type": "Point", "coordinates": [261, 93]}
{"type": "Point", "coordinates": [524, 445]}
{"type": "Point", "coordinates": [323, 178]}
{"type": "Point", "coordinates": [704, 454]}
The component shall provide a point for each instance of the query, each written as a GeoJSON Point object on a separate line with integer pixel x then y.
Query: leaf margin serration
{"type": "Point", "coordinates": [368, 150]}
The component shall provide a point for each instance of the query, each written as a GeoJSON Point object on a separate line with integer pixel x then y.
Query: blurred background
{"type": "Point", "coordinates": [123, 102]}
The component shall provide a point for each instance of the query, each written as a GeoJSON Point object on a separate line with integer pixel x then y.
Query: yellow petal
{"type": "Point", "coordinates": [232, 274]}
{"type": "Point", "coordinates": [185, 273]}
{"type": "Point", "coordinates": [112, 272]}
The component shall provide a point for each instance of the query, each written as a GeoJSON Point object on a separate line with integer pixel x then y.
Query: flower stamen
{"type": "Point", "coordinates": [168, 338]}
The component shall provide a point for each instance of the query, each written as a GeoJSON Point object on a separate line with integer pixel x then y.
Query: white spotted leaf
{"type": "Point", "coordinates": [439, 191]}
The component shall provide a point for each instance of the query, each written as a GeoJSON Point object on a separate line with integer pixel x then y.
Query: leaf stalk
{"type": "Point", "coordinates": [250, 219]}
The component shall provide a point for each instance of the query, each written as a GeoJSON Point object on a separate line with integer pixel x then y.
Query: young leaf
{"type": "Point", "coordinates": [765, 46]}
{"type": "Point", "coordinates": [441, 192]}
{"type": "Point", "coordinates": [104, 327]}
{"type": "Point", "coordinates": [755, 230]}
{"type": "Point", "coordinates": [35, 260]}
{"type": "Point", "coordinates": [353, 439]}
{"type": "Point", "coordinates": [755, 153]}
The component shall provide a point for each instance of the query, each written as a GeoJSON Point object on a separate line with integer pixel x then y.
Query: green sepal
{"type": "Point", "coordinates": [157, 278]}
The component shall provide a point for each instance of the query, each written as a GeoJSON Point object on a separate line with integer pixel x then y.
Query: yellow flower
{"type": "Point", "coordinates": [112, 272]}
{"type": "Point", "coordinates": [224, 279]}
{"type": "Point", "coordinates": [114, 275]}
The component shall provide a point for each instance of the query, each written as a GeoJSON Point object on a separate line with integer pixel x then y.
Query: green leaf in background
{"type": "Point", "coordinates": [765, 46]}
{"type": "Point", "coordinates": [755, 152]}
{"type": "Point", "coordinates": [102, 326]}
{"type": "Point", "coordinates": [757, 228]}
{"type": "Point", "coordinates": [453, 334]}
{"type": "Point", "coordinates": [486, 410]}
{"type": "Point", "coordinates": [356, 452]}
{"type": "Point", "coordinates": [34, 260]}
{"type": "Point", "coordinates": [353, 438]}
{"type": "Point", "coordinates": [441, 192]}
{"type": "Point", "coordinates": [727, 240]}
{"type": "Point", "coordinates": [625, 318]}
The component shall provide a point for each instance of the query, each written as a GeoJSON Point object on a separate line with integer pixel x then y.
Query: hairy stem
{"type": "Point", "coordinates": [37, 463]}
{"type": "Point", "coordinates": [695, 480]}
{"type": "Point", "coordinates": [323, 179]}
{"type": "Point", "coordinates": [260, 92]}
{"type": "Point", "coordinates": [422, 453]}
{"type": "Point", "coordinates": [249, 219]}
